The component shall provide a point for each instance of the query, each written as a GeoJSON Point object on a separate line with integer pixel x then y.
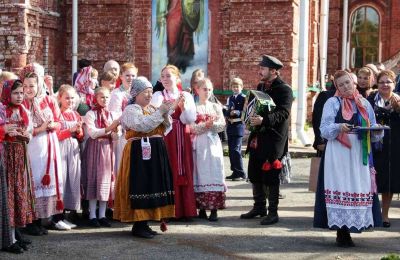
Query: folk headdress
{"type": "Point", "coordinates": [39, 71]}
{"type": "Point", "coordinates": [8, 87]}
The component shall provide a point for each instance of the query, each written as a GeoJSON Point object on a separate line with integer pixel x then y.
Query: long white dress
{"type": "Point", "coordinates": [39, 154]}
{"type": "Point", "coordinates": [347, 181]}
{"type": "Point", "coordinates": [208, 173]}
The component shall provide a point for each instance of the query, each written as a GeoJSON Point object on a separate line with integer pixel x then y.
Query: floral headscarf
{"type": "Point", "coordinates": [39, 71]}
{"type": "Point", "coordinates": [9, 107]}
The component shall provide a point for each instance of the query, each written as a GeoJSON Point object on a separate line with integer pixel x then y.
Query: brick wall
{"type": "Point", "coordinates": [26, 29]}
{"type": "Point", "coordinates": [389, 11]}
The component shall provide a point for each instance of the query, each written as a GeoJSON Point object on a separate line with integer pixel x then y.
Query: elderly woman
{"type": "Point", "coordinates": [386, 105]}
{"type": "Point", "coordinates": [346, 198]}
{"type": "Point", "coordinates": [144, 185]}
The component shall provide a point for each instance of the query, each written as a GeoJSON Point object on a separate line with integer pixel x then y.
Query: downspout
{"type": "Point", "coordinates": [344, 35]}
{"type": "Point", "coordinates": [74, 36]}
{"type": "Point", "coordinates": [303, 65]}
{"type": "Point", "coordinates": [323, 40]}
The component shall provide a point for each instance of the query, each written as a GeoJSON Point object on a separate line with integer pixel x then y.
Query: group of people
{"type": "Point", "coordinates": [117, 144]}
{"type": "Point", "coordinates": [356, 123]}
{"type": "Point", "coordinates": [152, 154]}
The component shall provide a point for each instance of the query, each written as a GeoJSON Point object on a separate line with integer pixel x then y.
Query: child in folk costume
{"type": "Point", "coordinates": [118, 101]}
{"type": "Point", "coordinates": [144, 186]}
{"type": "Point", "coordinates": [97, 171]}
{"type": "Point", "coordinates": [70, 135]}
{"type": "Point", "coordinates": [178, 141]}
{"type": "Point", "coordinates": [208, 174]}
{"type": "Point", "coordinates": [85, 85]}
{"type": "Point", "coordinates": [43, 149]}
{"type": "Point", "coordinates": [20, 194]}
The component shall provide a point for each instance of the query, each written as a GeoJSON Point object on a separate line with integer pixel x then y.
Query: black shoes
{"type": "Point", "coordinates": [94, 223]}
{"type": "Point", "coordinates": [151, 231]}
{"type": "Point", "coordinates": [142, 230]}
{"type": "Point", "coordinates": [202, 214]}
{"type": "Point", "coordinates": [270, 219]}
{"type": "Point", "coordinates": [254, 213]}
{"type": "Point", "coordinates": [343, 238]}
{"type": "Point", "coordinates": [104, 222]}
{"type": "Point", "coordinates": [234, 178]}
{"type": "Point", "coordinates": [14, 248]}
{"type": "Point", "coordinates": [35, 229]}
{"type": "Point", "coordinates": [213, 216]}
{"type": "Point", "coordinates": [386, 224]}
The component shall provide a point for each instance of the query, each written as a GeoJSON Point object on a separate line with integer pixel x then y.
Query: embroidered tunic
{"type": "Point", "coordinates": [44, 154]}
{"type": "Point", "coordinates": [144, 188]}
{"type": "Point", "coordinates": [208, 158]}
{"type": "Point", "coordinates": [97, 164]}
{"type": "Point", "coordinates": [71, 159]}
{"type": "Point", "coordinates": [347, 181]}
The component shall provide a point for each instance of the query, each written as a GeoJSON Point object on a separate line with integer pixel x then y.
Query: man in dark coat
{"type": "Point", "coordinates": [267, 147]}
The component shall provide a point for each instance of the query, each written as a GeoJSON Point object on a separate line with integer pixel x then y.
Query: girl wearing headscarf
{"type": "Point", "coordinates": [98, 157]}
{"type": "Point", "coordinates": [346, 197]}
{"type": "Point", "coordinates": [144, 186]}
{"type": "Point", "coordinates": [20, 195]}
{"type": "Point", "coordinates": [85, 85]}
{"type": "Point", "coordinates": [43, 150]}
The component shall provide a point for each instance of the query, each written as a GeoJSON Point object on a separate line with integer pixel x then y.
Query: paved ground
{"type": "Point", "coordinates": [230, 238]}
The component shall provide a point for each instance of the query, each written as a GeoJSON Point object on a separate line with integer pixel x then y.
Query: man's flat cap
{"type": "Point", "coordinates": [271, 62]}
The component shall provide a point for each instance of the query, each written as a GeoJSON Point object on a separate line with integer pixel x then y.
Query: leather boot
{"type": "Point", "coordinates": [259, 208]}
{"type": "Point", "coordinates": [273, 201]}
{"type": "Point", "coordinates": [140, 229]}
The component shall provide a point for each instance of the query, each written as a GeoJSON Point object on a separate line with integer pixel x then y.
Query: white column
{"type": "Point", "coordinates": [303, 68]}
{"type": "Point", "coordinates": [323, 40]}
{"type": "Point", "coordinates": [344, 35]}
{"type": "Point", "coordinates": [74, 36]}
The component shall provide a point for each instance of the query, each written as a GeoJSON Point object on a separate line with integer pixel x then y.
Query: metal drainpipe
{"type": "Point", "coordinates": [74, 37]}
{"type": "Point", "coordinates": [344, 35]}
{"type": "Point", "coordinates": [303, 65]}
{"type": "Point", "coordinates": [323, 40]}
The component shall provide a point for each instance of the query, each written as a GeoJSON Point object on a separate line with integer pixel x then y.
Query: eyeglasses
{"type": "Point", "coordinates": [385, 82]}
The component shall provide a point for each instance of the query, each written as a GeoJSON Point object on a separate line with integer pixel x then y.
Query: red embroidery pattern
{"type": "Point", "coordinates": [349, 199]}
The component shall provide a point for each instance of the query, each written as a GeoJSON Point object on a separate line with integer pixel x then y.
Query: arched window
{"type": "Point", "coordinates": [364, 37]}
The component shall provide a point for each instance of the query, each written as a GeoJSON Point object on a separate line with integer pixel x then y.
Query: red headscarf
{"type": "Point", "coordinates": [6, 100]}
{"type": "Point", "coordinates": [102, 114]}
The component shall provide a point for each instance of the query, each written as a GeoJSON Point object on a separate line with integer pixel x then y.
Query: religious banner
{"type": "Point", "coordinates": [179, 37]}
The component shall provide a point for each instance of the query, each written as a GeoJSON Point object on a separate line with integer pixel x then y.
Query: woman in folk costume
{"type": "Point", "coordinates": [97, 161]}
{"type": "Point", "coordinates": [178, 141]}
{"type": "Point", "coordinates": [208, 157]}
{"type": "Point", "coordinates": [5, 229]}
{"type": "Point", "coordinates": [20, 194]}
{"type": "Point", "coordinates": [70, 135]}
{"type": "Point", "coordinates": [43, 149]}
{"type": "Point", "coordinates": [386, 105]}
{"type": "Point", "coordinates": [346, 197]}
{"type": "Point", "coordinates": [118, 101]}
{"type": "Point", "coordinates": [144, 187]}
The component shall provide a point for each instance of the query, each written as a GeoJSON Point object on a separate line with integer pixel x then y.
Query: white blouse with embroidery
{"type": "Point", "coordinates": [133, 118]}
